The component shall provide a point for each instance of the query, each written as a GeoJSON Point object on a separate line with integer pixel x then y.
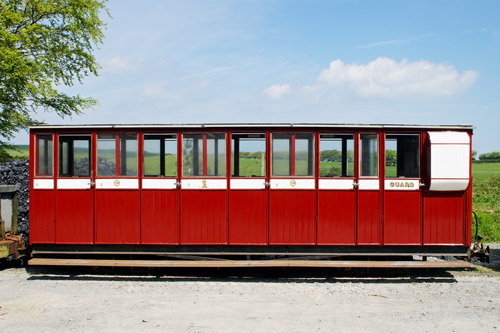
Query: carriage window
{"type": "Point", "coordinates": [74, 155]}
{"type": "Point", "coordinates": [160, 155]}
{"type": "Point", "coordinates": [336, 156]}
{"type": "Point", "coordinates": [204, 154]}
{"type": "Point", "coordinates": [116, 155]}
{"type": "Point", "coordinates": [402, 155]}
{"type": "Point", "coordinates": [293, 154]}
{"type": "Point", "coordinates": [44, 152]}
{"type": "Point", "coordinates": [368, 155]}
{"type": "Point", "coordinates": [248, 155]}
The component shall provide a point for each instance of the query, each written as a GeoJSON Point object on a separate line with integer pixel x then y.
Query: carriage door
{"type": "Point", "coordinates": [42, 196]}
{"type": "Point", "coordinates": [74, 195]}
{"type": "Point", "coordinates": [204, 188]}
{"type": "Point", "coordinates": [292, 189]}
{"type": "Point", "coordinates": [160, 194]}
{"type": "Point", "coordinates": [248, 194]}
{"type": "Point", "coordinates": [117, 189]}
{"type": "Point", "coordinates": [368, 203]}
{"type": "Point", "coordinates": [402, 190]}
{"type": "Point", "coordinates": [336, 195]}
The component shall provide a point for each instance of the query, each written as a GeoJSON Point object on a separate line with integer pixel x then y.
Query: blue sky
{"type": "Point", "coordinates": [411, 62]}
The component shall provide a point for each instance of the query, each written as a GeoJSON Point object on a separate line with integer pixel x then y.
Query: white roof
{"type": "Point", "coordinates": [254, 125]}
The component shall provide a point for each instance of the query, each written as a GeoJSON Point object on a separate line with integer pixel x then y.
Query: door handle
{"type": "Point", "coordinates": [267, 184]}
{"type": "Point", "coordinates": [178, 184]}
{"type": "Point", "coordinates": [421, 184]}
{"type": "Point", "coordinates": [355, 184]}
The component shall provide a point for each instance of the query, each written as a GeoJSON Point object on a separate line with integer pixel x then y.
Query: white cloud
{"type": "Point", "coordinates": [386, 78]}
{"type": "Point", "coordinates": [277, 91]}
{"type": "Point", "coordinates": [156, 90]}
{"type": "Point", "coordinates": [119, 65]}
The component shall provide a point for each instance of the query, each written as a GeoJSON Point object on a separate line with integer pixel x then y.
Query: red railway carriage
{"type": "Point", "coordinates": [250, 189]}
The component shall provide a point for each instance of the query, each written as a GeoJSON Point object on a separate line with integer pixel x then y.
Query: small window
{"type": "Point", "coordinates": [160, 155]}
{"type": "Point", "coordinates": [204, 154]}
{"type": "Point", "coordinates": [74, 156]}
{"type": "Point", "coordinates": [402, 155]}
{"type": "Point", "coordinates": [336, 156]}
{"type": "Point", "coordinates": [44, 155]}
{"type": "Point", "coordinates": [368, 155]}
{"type": "Point", "coordinates": [116, 155]}
{"type": "Point", "coordinates": [293, 154]}
{"type": "Point", "coordinates": [248, 155]}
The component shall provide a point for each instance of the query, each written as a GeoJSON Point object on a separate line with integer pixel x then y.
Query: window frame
{"type": "Point", "coordinates": [81, 137]}
{"type": "Point", "coordinates": [118, 153]}
{"type": "Point", "coordinates": [234, 160]}
{"type": "Point", "coordinates": [205, 166]}
{"type": "Point", "coordinates": [161, 137]}
{"type": "Point", "coordinates": [360, 155]}
{"type": "Point", "coordinates": [292, 154]}
{"type": "Point", "coordinates": [47, 152]}
{"type": "Point", "coordinates": [353, 134]}
{"type": "Point", "coordinates": [419, 154]}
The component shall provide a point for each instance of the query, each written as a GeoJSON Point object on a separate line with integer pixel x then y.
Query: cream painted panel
{"type": "Point", "coordinates": [449, 137]}
{"type": "Point", "coordinates": [449, 184]}
{"type": "Point", "coordinates": [402, 184]}
{"type": "Point", "coordinates": [450, 161]}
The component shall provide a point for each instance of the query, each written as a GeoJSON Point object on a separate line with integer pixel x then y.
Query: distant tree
{"type": "Point", "coordinates": [474, 155]}
{"type": "Point", "coordinates": [390, 157]}
{"type": "Point", "coordinates": [45, 44]}
{"type": "Point", "coordinates": [490, 156]}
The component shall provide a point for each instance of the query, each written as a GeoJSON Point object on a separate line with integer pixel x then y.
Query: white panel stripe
{"type": "Point", "coordinates": [369, 184]}
{"type": "Point", "coordinates": [77, 184]}
{"type": "Point", "coordinates": [190, 184]}
{"type": "Point", "coordinates": [250, 184]}
{"type": "Point", "coordinates": [292, 183]}
{"type": "Point", "coordinates": [164, 184]}
{"type": "Point", "coordinates": [117, 184]}
{"type": "Point", "coordinates": [401, 184]}
{"type": "Point", "coordinates": [46, 184]}
{"type": "Point", "coordinates": [336, 184]}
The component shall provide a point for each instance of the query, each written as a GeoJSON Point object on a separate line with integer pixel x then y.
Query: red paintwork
{"type": "Point", "coordinates": [203, 217]}
{"type": "Point", "coordinates": [291, 217]}
{"type": "Point", "coordinates": [74, 217]}
{"type": "Point", "coordinates": [42, 217]}
{"type": "Point", "coordinates": [248, 217]}
{"type": "Point", "coordinates": [336, 218]}
{"type": "Point", "coordinates": [160, 217]}
{"type": "Point", "coordinates": [368, 218]}
{"type": "Point", "coordinates": [444, 218]}
{"type": "Point", "coordinates": [402, 218]}
{"type": "Point", "coordinates": [117, 216]}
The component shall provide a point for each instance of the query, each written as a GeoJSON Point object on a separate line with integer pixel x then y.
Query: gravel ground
{"type": "Point", "coordinates": [249, 301]}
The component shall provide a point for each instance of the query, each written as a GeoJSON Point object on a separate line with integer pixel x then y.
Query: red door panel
{"type": "Point", "coordinates": [204, 217]}
{"type": "Point", "coordinates": [444, 218]}
{"type": "Point", "coordinates": [291, 217]}
{"type": "Point", "coordinates": [42, 217]}
{"type": "Point", "coordinates": [336, 218]}
{"type": "Point", "coordinates": [402, 218]}
{"type": "Point", "coordinates": [368, 218]}
{"type": "Point", "coordinates": [248, 217]}
{"type": "Point", "coordinates": [117, 217]}
{"type": "Point", "coordinates": [74, 217]}
{"type": "Point", "coordinates": [159, 217]}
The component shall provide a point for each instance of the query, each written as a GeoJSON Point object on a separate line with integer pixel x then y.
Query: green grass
{"type": "Point", "coordinates": [485, 170]}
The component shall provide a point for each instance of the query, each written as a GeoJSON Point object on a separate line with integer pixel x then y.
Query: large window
{"type": "Point", "coordinates": [44, 155]}
{"type": "Point", "coordinates": [160, 155]}
{"type": "Point", "coordinates": [116, 155]}
{"type": "Point", "coordinates": [293, 154]}
{"type": "Point", "coordinates": [204, 154]}
{"type": "Point", "coordinates": [74, 156]}
{"type": "Point", "coordinates": [248, 155]}
{"type": "Point", "coordinates": [336, 155]}
{"type": "Point", "coordinates": [402, 155]}
{"type": "Point", "coordinates": [368, 154]}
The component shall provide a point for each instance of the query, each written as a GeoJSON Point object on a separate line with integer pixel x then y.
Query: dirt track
{"type": "Point", "coordinates": [250, 301]}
